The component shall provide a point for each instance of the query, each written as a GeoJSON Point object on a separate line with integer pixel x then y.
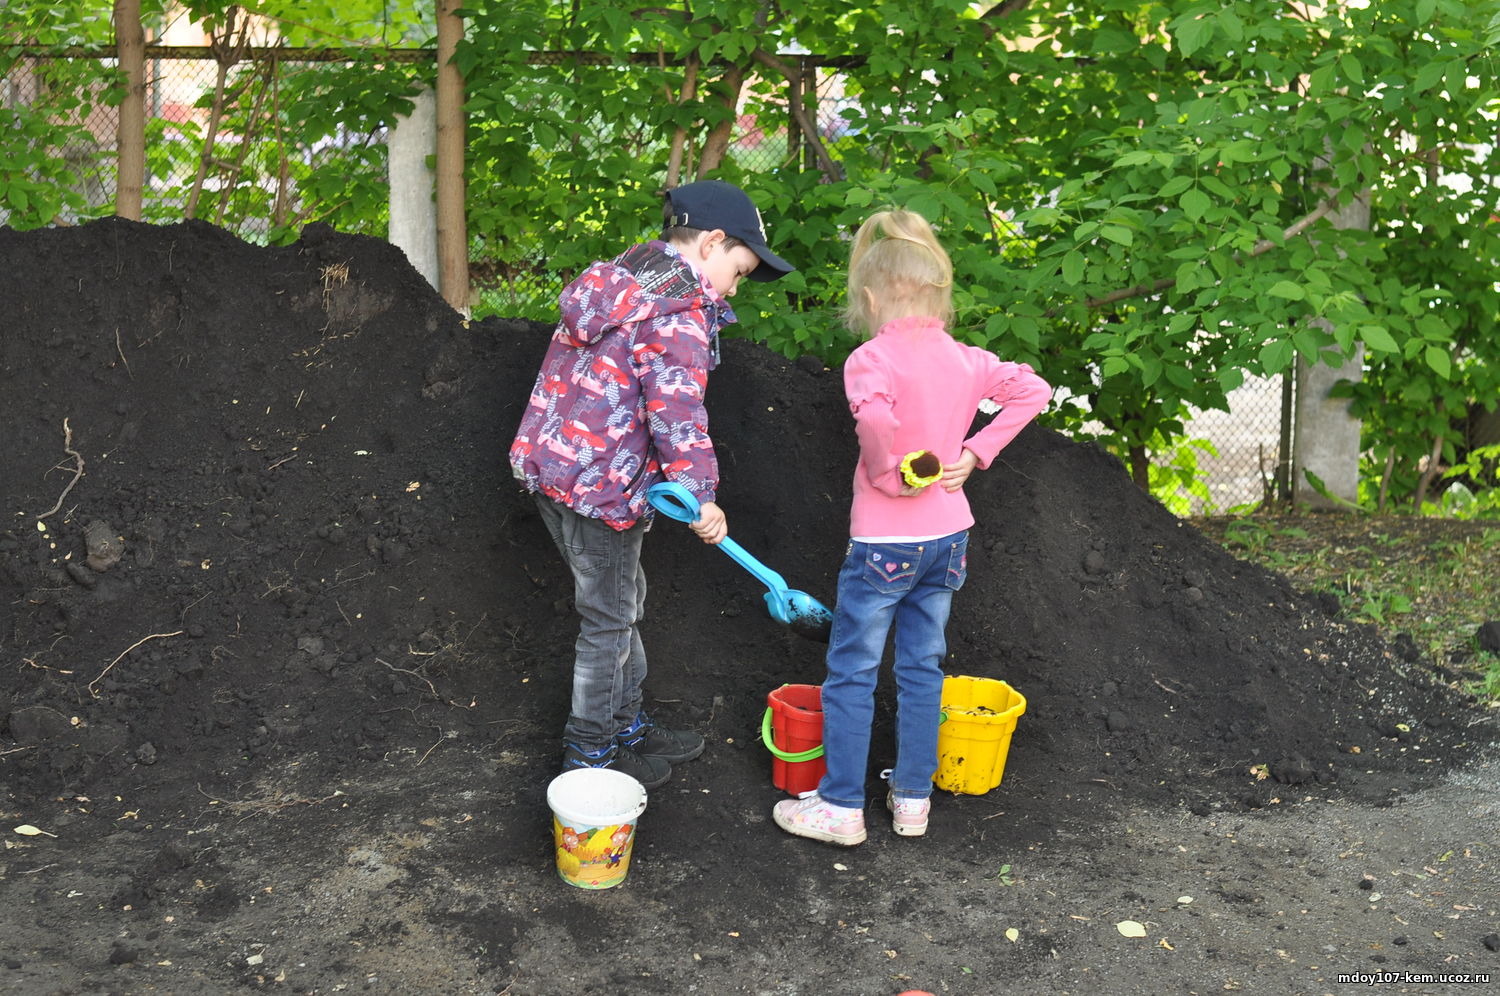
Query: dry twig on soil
{"type": "Point", "coordinates": [402, 670]}
{"type": "Point", "coordinates": [77, 471]}
{"type": "Point", "coordinates": [259, 807]}
{"type": "Point", "coordinates": [154, 636]}
{"type": "Point", "coordinates": [121, 350]}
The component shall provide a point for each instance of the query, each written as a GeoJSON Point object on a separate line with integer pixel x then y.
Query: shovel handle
{"type": "Point", "coordinates": [674, 501]}
{"type": "Point", "coordinates": [677, 502]}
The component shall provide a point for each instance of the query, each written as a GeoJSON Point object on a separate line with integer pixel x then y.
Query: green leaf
{"type": "Point", "coordinates": [1239, 151]}
{"type": "Point", "coordinates": [1182, 378]}
{"type": "Point", "coordinates": [1118, 234]}
{"type": "Point", "coordinates": [1320, 80]}
{"type": "Point", "coordinates": [1322, 489]}
{"type": "Point", "coordinates": [1428, 76]}
{"type": "Point", "coordinates": [1188, 277]}
{"type": "Point", "coordinates": [1377, 338]}
{"type": "Point", "coordinates": [1217, 187]}
{"type": "Point", "coordinates": [1192, 33]}
{"type": "Point", "coordinates": [1288, 290]}
{"type": "Point", "coordinates": [1040, 216]}
{"type": "Point", "coordinates": [1351, 67]}
{"type": "Point", "coordinates": [1307, 341]}
{"type": "Point", "coordinates": [1174, 186]}
{"type": "Point", "coordinates": [926, 204]}
{"type": "Point", "coordinates": [1439, 361]}
{"type": "Point", "coordinates": [1276, 356]}
{"type": "Point", "coordinates": [1230, 24]}
{"type": "Point", "coordinates": [1195, 203]}
{"type": "Point", "coordinates": [1151, 369]}
{"type": "Point", "coordinates": [1072, 266]}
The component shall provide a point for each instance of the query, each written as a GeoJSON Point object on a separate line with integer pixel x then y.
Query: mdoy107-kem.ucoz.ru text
{"type": "Point", "coordinates": [1411, 978]}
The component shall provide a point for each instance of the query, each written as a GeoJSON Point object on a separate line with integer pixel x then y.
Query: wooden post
{"type": "Point", "coordinates": [130, 134]}
{"type": "Point", "coordinates": [452, 226]}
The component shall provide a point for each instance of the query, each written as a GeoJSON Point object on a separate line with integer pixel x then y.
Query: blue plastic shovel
{"type": "Point", "coordinates": [804, 614]}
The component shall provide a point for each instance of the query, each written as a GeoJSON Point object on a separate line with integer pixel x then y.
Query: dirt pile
{"type": "Point", "coordinates": [293, 488]}
{"type": "Point", "coordinates": [285, 537]}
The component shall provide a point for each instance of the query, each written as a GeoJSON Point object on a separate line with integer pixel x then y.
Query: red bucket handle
{"type": "Point", "coordinates": [793, 756]}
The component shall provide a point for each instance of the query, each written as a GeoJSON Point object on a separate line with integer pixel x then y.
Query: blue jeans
{"type": "Point", "coordinates": [912, 585]}
{"type": "Point", "coordinates": [609, 592]}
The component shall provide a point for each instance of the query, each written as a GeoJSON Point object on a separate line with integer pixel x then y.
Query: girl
{"type": "Point", "coordinates": [914, 392]}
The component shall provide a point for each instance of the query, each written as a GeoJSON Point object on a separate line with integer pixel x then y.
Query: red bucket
{"type": "Point", "coordinates": [793, 732]}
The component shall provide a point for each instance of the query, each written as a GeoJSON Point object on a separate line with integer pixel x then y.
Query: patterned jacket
{"type": "Point", "coordinates": [618, 404]}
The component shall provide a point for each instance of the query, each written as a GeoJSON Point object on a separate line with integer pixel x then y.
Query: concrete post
{"type": "Point", "coordinates": [410, 143]}
{"type": "Point", "coordinates": [1325, 437]}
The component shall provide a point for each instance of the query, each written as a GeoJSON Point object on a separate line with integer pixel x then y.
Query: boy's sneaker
{"type": "Point", "coordinates": [651, 772]}
{"type": "Point", "coordinates": [908, 816]}
{"type": "Point", "coordinates": [652, 741]}
{"type": "Point", "coordinates": [809, 816]}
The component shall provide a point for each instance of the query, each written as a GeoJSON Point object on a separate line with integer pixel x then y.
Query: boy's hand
{"type": "Point", "coordinates": [710, 526]}
{"type": "Point", "coordinates": [957, 472]}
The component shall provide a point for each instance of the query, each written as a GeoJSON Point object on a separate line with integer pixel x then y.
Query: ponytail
{"type": "Point", "coordinates": [897, 259]}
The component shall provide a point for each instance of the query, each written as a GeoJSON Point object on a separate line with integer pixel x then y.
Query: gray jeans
{"type": "Point", "coordinates": [609, 592]}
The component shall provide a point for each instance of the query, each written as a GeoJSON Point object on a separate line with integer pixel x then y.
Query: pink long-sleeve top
{"type": "Point", "coordinates": [914, 387]}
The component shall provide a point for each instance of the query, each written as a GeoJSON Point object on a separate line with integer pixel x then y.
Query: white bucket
{"type": "Point", "coordinates": [593, 825]}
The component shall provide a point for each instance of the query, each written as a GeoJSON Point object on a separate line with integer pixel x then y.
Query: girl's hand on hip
{"type": "Point", "coordinates": [710, 526]}
{"type": "Point", "coordinates": [957, 472]}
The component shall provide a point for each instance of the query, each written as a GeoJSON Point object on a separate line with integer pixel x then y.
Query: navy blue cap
{"type": "Point", "coordinates": [710, 204]}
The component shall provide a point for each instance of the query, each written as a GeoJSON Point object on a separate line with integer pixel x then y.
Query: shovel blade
{"type": "Point", "coordinates": [806, 616]}
{"type": "Point", "coordinates": [813, 628]}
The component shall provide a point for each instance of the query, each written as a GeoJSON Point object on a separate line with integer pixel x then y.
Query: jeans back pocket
{"type": "Point", "coordinates": [958, 563]}
{"type": "Point", "coordinates": [891, 568]}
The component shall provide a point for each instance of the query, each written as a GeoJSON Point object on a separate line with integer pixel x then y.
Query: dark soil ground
{"type": "Point", "coordinates": [285, 667]}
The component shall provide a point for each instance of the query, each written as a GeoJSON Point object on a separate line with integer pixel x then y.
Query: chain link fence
{"type": "Point", "coordinates": [1243, 464]}
{"type": "Point", "coordinates": [214, 146]}
{"type": "Point", "coordinates": [215, 152]}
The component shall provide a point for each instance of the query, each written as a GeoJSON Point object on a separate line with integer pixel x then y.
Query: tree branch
{"type": "Point", "coordinates": [1000, 11]}
{"type": "Point", "coordinates": [680, 135]}
{"type": "Point", "coordinates": [228, 50]}
{"type": "Point", "coordinates": [1263, 246]}
{"type": "Point", "coordinates": [808, 126]}
{"type": "Point", "coordinates": [716, 142]}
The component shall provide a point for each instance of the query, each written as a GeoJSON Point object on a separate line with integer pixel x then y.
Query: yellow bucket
{"type": "Point", "coordinates": [979, 716]}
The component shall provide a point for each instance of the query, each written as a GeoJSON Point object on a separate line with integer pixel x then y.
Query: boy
{"type": "Point", "coordinates": [618, 407]}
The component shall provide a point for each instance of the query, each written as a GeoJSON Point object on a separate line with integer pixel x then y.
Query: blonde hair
{"type": "Point", "coordinates": [897, 259]}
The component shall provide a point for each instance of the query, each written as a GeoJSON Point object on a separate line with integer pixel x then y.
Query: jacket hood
{"type": "Point", "coordinates": [609, 295]}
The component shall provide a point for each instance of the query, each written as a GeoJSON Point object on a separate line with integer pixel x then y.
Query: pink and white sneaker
{"type": "Point", "coordinates": [908, 816]}
{"type": "Point", "coordinates": [809, 816]}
